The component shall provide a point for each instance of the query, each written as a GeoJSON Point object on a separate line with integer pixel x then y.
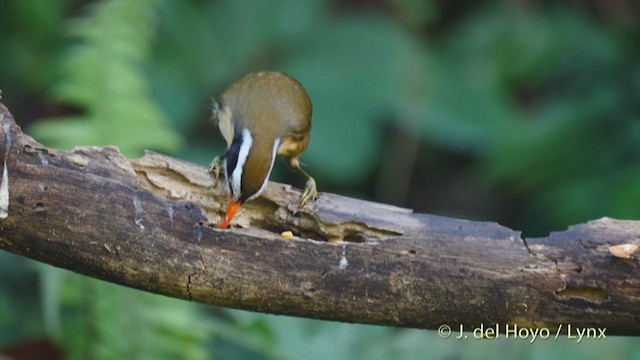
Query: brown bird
{"type": "Point", "coordinates": [261, 115]}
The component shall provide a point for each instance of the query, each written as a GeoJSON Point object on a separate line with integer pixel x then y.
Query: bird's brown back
{"type": "Point", "coordinates": [271, 105]}
{"type": "Point", "coordinates": [278, 102]}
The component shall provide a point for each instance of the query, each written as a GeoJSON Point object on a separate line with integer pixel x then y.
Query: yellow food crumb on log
{"type": "Point", "coordinates": [624, 251]}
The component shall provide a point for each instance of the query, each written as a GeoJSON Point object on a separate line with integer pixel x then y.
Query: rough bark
{"type": "Point", "coordinates": [147, 223]}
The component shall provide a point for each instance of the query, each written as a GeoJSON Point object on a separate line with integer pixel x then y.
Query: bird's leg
{"type": "Point", "coordinates": [215, 167]}
{"type": "Point", "coordinates": [310, 189]}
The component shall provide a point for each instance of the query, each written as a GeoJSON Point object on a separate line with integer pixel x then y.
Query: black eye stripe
{"type": "Point", "coordinates": [232, 156]}
{"type": "Point", "coordinates": [234, 150]}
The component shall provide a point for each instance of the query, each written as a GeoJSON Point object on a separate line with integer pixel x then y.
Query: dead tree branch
{"type": "Point", "coordinates": [147, 224]}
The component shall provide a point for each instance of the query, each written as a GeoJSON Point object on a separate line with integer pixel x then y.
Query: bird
{"type": "Point", "coordinates": [261, 115]}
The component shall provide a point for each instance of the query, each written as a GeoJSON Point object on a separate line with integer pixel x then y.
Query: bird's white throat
{"type": "Point", "coordinates": [235, 182]}
{"type": "Point", "coordinates": [243, 154]}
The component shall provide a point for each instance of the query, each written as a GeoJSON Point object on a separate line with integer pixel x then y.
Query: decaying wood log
{"type": "Point", "coordinates": [149, 224]}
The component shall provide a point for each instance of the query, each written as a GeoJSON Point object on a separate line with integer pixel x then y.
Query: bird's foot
{"type": "Point", "coordinates": [215, 168]}
{"type": "Point", "coordinates": [310, 193]}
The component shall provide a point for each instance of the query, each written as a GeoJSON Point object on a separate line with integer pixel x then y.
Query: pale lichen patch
{"type": "Point", "coordinates": [344, 263]}
{"type": "Point", "coordinates": [138, 213]}
{"type": "Point", "coordinates": [4, 185]}
{"type": "Point", "coordinates": [4, 193]}
{"type": "Point", "coordinates": [43, 159]}
{"type": "Point", "coordinates": [169, 209]}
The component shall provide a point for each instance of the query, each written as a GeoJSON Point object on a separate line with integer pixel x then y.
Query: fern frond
{"type": "Point", "coordinates": [102, 74]}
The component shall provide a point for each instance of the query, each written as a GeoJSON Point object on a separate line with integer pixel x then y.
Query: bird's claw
{"type": "Point", "coordinates": [215, 168]}
{"type": "Point", "coordinates": [310, 193]}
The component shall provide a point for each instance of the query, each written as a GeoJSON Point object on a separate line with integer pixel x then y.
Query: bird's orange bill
{"type": "Point", "coordinates": [231, 211]}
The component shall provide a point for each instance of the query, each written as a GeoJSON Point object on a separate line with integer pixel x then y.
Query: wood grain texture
{"type": "Point", "coordinates": [149, 224]}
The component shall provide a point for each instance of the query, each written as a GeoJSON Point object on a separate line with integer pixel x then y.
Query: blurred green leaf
{"type": "Point", "coordinates": [112, 93]}
{"type": "Point", "coordinates": [416, 13]}
{"type": "Point", "coordinates": [126, 323]}
{"type": "Point", "coordinates": [355, 70]}
{"type": "Point", "coordinates": [575, 138]}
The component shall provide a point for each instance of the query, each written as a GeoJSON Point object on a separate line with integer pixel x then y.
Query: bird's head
{"type": "Point", "coordinates": [234, 165]}
{"type": "Point", "coordinates": [247, 167]}
{"type": "Point", "coordinates": [256, 114]}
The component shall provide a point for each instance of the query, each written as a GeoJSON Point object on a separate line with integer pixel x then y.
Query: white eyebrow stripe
{"type": "Point", "coordinates": [243, 154]}
{"type": "Point", "coordinates": [276, 143]}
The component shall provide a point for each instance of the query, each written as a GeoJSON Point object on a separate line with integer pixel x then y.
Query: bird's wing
{"type": "Point", "coordinates": [223, 113]}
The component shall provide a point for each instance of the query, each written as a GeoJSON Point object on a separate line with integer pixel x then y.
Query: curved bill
{"type": "Point", "coordinates": [231, 211]}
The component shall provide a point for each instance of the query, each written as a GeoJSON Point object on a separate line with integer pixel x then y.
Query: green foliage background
{"type": "Point", "coordinates": [525, 113]}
